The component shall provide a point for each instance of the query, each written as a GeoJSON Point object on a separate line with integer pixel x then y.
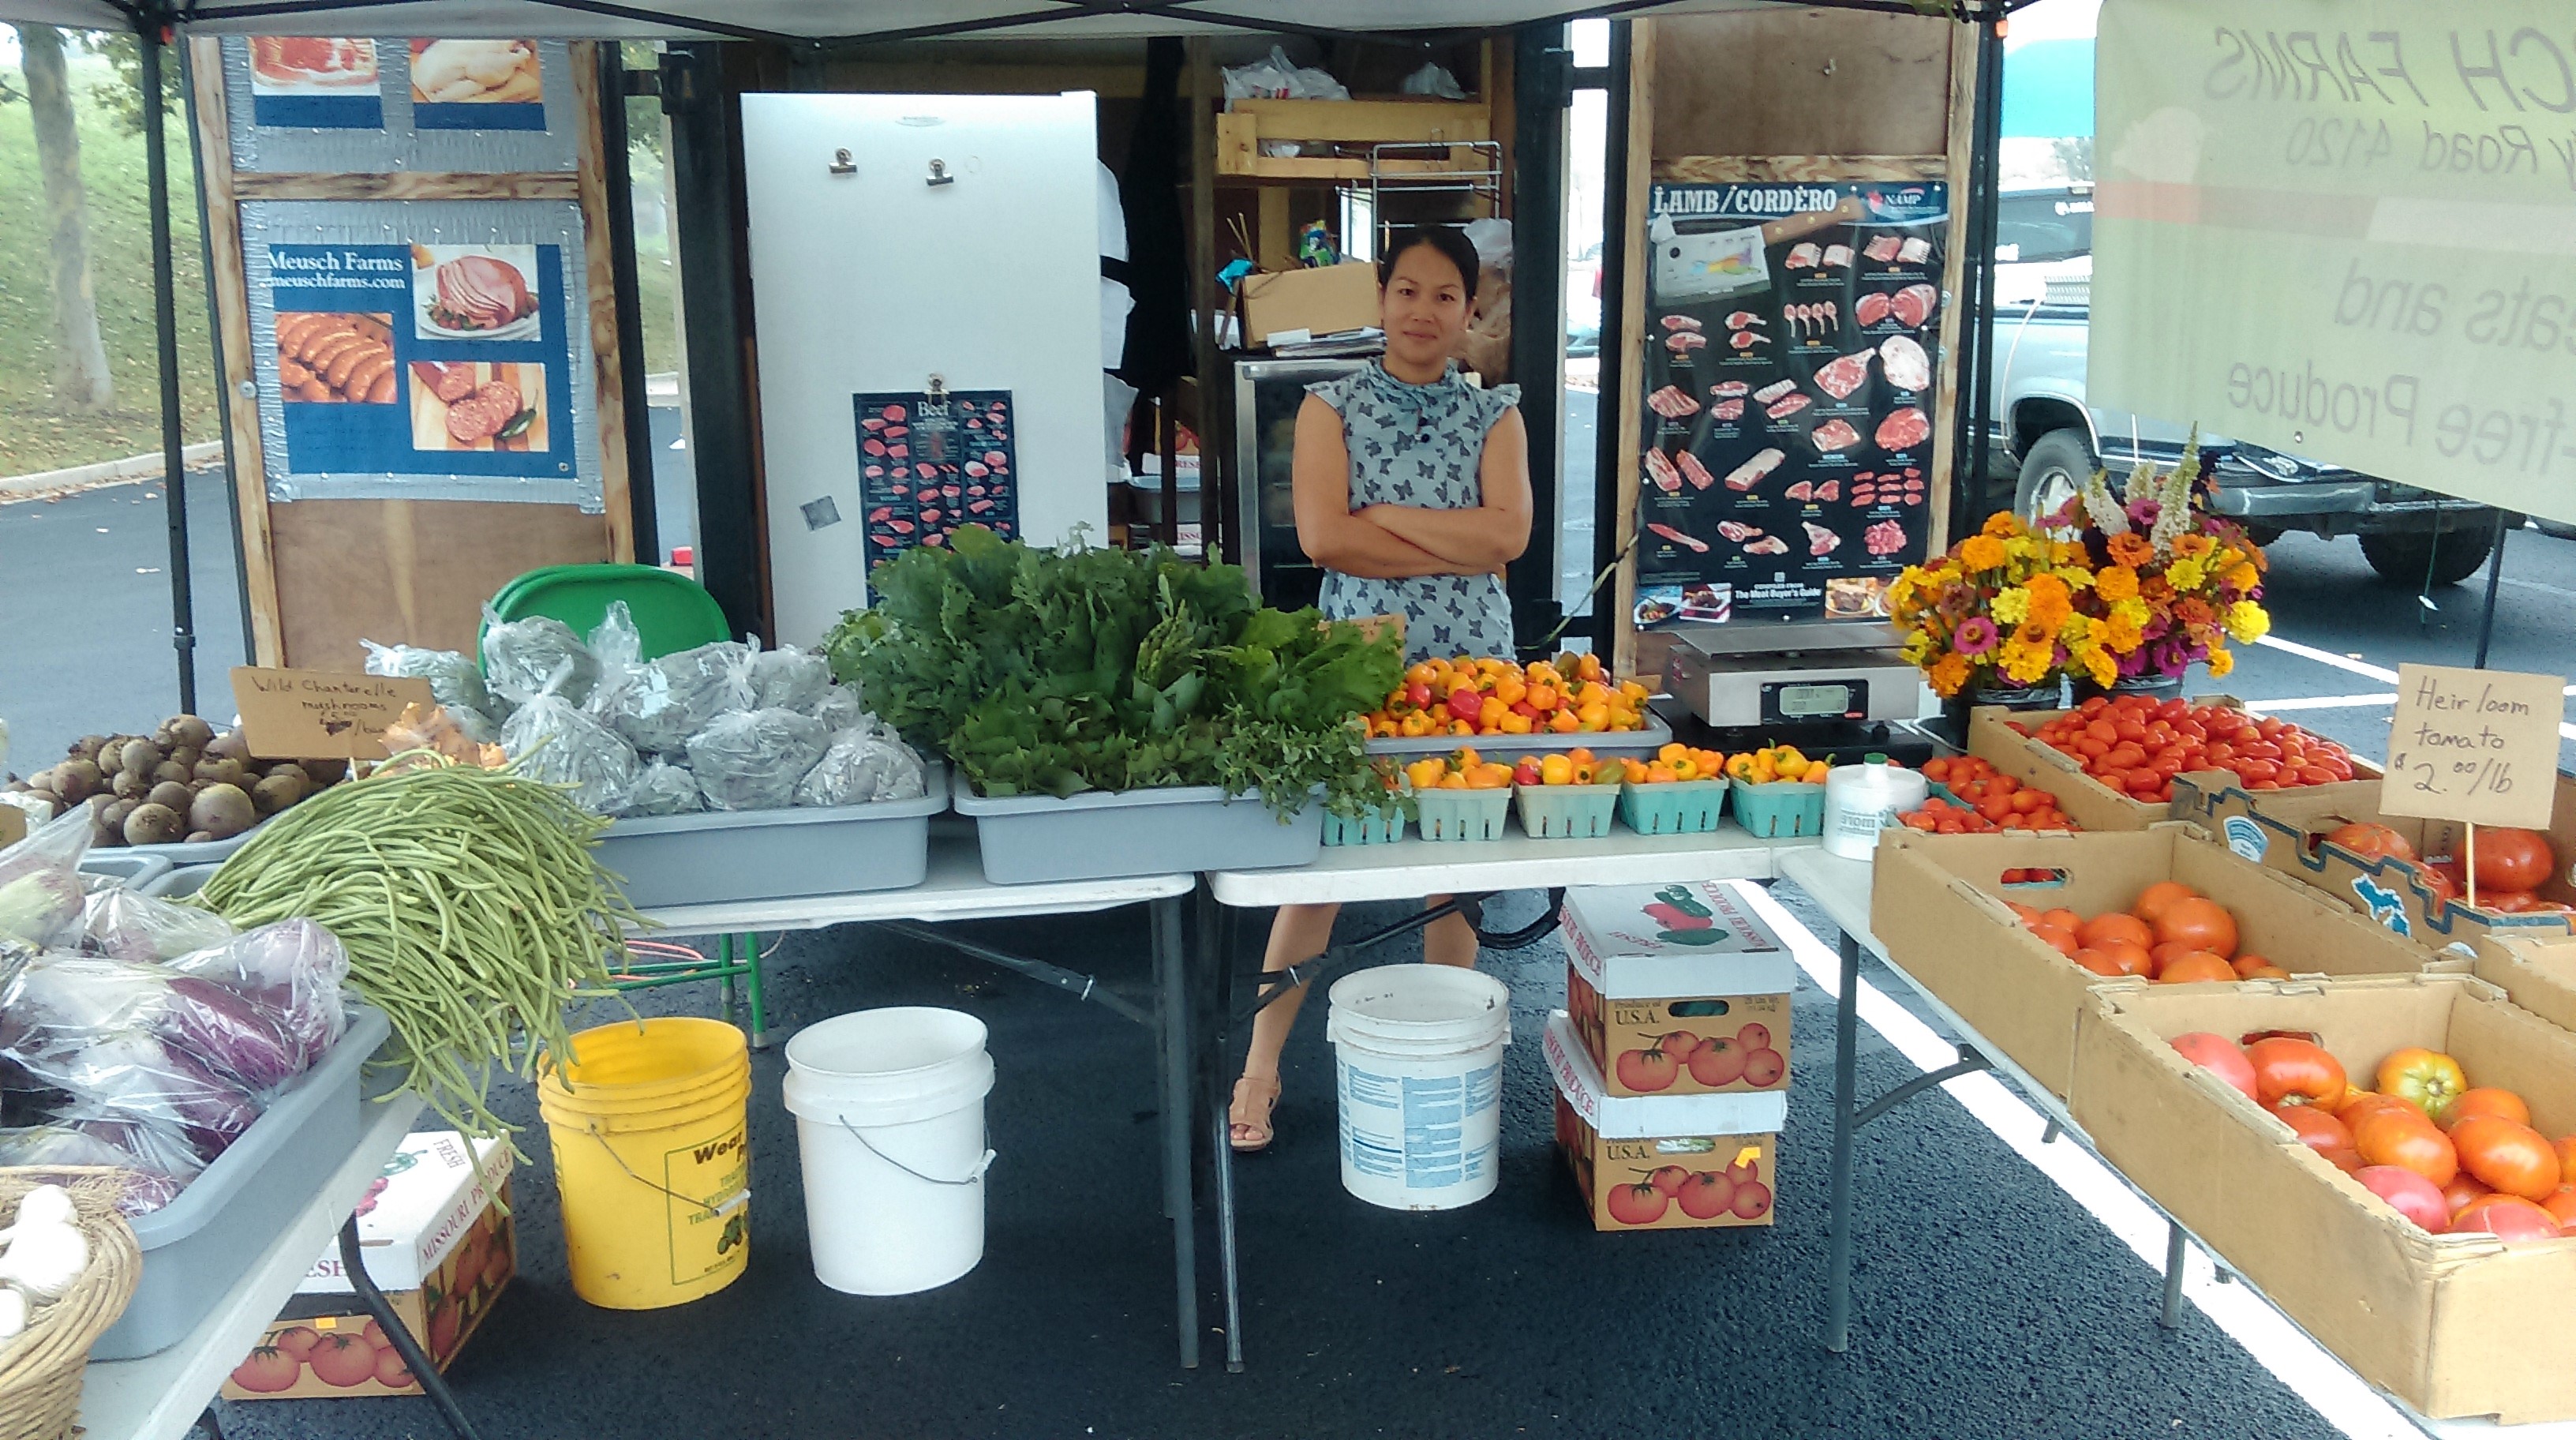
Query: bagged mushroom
{"type": "Point", "coordinates": [752, 759]}
{"type": "Point", "coordinates": [866, 763]}
{"type": "Point", "coordinates": [454, 682]}
{"type": "Point", "coordinates": [658, 704]}
{"type": "Point", "coordinates": [788, 678]}
{"type": "Point", "coordinates": [525, 658]}
{"type": "Point", "coordinates": [662, 788]}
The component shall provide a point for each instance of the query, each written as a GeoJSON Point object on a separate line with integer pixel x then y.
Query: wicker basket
{"type": "Point", "coordinates": [40, 1370]}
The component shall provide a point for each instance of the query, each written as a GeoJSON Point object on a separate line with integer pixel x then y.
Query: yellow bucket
{"type": "Point", "coordinates": [652, 1159]}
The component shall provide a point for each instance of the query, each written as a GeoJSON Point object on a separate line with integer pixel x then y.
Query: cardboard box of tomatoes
{"type": "Point", "coordinates": [2406, 873]}
{"type": "Point", "coordinates": [1662, 1162]}
{"type": "Point", "coordinates": [2456, 1323]}
{"type": "Point", "coordinates": [1991, 952]}
{"type": "Point", "coordinates": [2141, 747]}
{"type": "Point", "coordinates": [1680, 988]}
{"type": "Point", "coordinates": [2536, 972]}
{"type": "Point", "coordinates": [436, 1236]}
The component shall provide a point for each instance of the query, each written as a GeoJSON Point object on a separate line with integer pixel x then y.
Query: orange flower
{"type": "Point", "coordinates": [2050, 601]}
{"type": "Point", "coordinates": [2003, 525]}
{"type": "Point", "coordinates": [2132, 550]}
{"type": "Point", "coordinates": [2115, 583]}
{"type": "Point", "coordinates": [2195, 612]}
{"type": "Point", "coordinates": [2193, 547]}
{"type": "Point", "coordinates": [1981, 552]}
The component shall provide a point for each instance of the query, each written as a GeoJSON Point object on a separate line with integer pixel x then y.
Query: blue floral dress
{"type": "Point", "coordinates": [1420, 445]}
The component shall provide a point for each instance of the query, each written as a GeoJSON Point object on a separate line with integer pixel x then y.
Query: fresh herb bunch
{"type": "Point", "coordinates": [1052, 672]}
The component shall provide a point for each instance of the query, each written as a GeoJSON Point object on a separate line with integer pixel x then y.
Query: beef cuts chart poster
{"type": "Point", "coordinates": [1791, 335]}
{"type": "Point", "coordinates": [930, 464]}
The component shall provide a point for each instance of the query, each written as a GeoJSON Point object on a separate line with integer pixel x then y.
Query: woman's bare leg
{"type": "Point", "coordinates": [1449, 940]}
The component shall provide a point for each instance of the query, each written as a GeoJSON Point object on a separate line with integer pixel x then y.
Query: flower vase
{"type": "Point", "coordinates": [2154, 687]}
{"type": "Point", "coordinates": [1953, 724]}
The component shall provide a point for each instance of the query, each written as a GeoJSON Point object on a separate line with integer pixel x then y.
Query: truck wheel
{"type": "Point", "coordinates": [2054, 469]}
{"type": "Point", "coordinates": [2410, 559]}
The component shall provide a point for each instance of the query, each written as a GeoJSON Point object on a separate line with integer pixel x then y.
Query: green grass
{"type": "Point", "coordinates": [36, 434]}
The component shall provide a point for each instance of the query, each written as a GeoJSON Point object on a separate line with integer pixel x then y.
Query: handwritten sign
{"type": "Point", "coordinates": [2474, 745]}
{"type": "Point", "coordinates": [320, 714]}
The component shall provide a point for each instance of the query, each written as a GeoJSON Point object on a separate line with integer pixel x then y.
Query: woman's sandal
{"type": "Point", "coordinates": [1248, 1127]}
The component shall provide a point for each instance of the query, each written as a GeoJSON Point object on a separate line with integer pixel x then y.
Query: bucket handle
{"type": "Point", "coordinates": [716, 1208]}
{"type": "Point", "coordinates": [972, 1176]}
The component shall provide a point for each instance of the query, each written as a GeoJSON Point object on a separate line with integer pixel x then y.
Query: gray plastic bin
{"type": "Point", "coordinates": [175, 884]}
{"type": "Point", "coordinates": [135, 870]}
{"type": "Point", "coordinates": [1107, 834]}
{"type": "Point", "coordinates": [196, 1247]}
{"type": "Point", "coordinates": [726, 855]}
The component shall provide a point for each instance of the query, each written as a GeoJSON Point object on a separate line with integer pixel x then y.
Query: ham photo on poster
{"type": "Point", "coordinates": [478, 406]}
{"type": "Point", "coordinates": [326, 356]}
{"type": "Point", "coordinates": [310, 65]}
{"type": "Point", "coordinates": [475, 292]}
{"type": "Point", "coordinates": [474, 72]}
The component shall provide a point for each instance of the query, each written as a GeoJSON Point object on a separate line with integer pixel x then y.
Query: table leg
{"type": "Point", "coordinates": [1172, 1029]}
{"type": "Point", "coordinates": [1217, 953]}
{"type": "Point", "coordinates": [2171, 1316]}
{"type": "Point", "coordinates": [354, 1262]}
{"type": "Point", "coordinates": [1846, 1102]}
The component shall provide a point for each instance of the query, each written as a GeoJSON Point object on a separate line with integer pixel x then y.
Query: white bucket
{"type": "Point", "coordinates": [1862, 800]}
{"type": "Point", "coordinates": [889, 1108]}
{"type": "Point", "coordinates": [1418, 1064]}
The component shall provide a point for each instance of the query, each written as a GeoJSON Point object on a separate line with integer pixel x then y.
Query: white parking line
{"type": "Point", "coordinates": [2328, 1386]}
{"type": "Point", "coordinates": [2328, 657]}
{"type": "Point", "coordinates": [2322, 702]}
{"type": "Point", "coordinates": [2348, 702]}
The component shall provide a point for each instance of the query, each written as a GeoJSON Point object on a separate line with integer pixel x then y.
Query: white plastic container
{"type": "Point", "coordinates": [1863, 799]}
{"type": "Point", "coordinates": [1418, 1066]}
{"type": "Point", "coordinates": [889, 1108]}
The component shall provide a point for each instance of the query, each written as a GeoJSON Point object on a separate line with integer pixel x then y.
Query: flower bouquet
{"type": "Point", "coordinates": [1998, 613]}
{"type": "Point", "coordinates": [2171, 582]}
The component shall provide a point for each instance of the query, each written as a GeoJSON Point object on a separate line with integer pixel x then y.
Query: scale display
{"type": "Point", "coordinates": [1808, 702]}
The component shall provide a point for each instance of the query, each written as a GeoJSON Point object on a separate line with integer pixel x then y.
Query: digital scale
{"type": "Point", "coordinates": [1752, 675]}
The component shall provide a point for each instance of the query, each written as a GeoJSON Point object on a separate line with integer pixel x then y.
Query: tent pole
{"type": "Point", "coordinates": [1984, 207]}
{"type": "Point", "coordinates": [2495, 578]}
{"type": "Point", "coordinates": [149, 33]}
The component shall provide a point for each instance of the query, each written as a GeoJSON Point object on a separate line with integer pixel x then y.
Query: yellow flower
{"type": "Point", "coordinates": [2242, 576]}
{"type": "Point", "coordinates": [2193, 547]}
{"type": "Point", "coordinates": [2003, 524]}
{"type": "Point", "coordinates": [2080, 632]}
{"type": "Point", "coordinates": [2116, 582]}
{"type": "Point", "coordinates": [2246, 622]}
{"type": "Point", "coordinates": [2074, 578]}
{"type": "Point", "coordinates": [2068, 553]}
{"type": "Point", "coordinates": [2134, 612]}
{"type": "Point", "coordinates": [2220, 661]}
{"type": "Point", "coordinates": [2185, 575]}
{"type": "Point", "coordinates": [1981, 552]}
{"type": "Point", "coordinates": [2100, 665]}
{"type": "Point", "coordinates": [1949, 675]}
{"type": "Point", "coordinates": [2026, 548]}
{"type": "Point", "coordinates": [1918, 648]}
{"type": "Point", "coordinates": [2026, 663]}
{"type": "Point", "coordinates": [2009, 607]}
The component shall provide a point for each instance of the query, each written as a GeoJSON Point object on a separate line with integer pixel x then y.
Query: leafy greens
{"type": "Point", "coordinates": [1052, 672]}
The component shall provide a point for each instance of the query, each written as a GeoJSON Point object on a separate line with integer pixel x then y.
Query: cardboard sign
{"type": "Point", "coordinates": [2479, 746]}
{"type": "Point", "coordinates": [320, 714]}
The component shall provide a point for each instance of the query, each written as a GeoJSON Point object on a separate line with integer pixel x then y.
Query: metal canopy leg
{"type": "Point", "coordinates": [2171, 1316]}
{"type": "Point", "coordinates": [353, 1260]}
{"type": "Point", "coordinates": [1172, 1029]}
{"type": "Point", "coordinates": [1846, 1079]}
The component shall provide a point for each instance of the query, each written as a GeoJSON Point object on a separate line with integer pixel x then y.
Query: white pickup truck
{"type": "Point", "coordinates": [2044, 249]}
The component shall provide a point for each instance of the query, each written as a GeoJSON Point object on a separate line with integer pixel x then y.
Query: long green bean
{"type": "Point", "coordinates": [470, 902]}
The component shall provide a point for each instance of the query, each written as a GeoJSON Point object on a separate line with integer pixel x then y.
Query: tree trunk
{"type": "Point", "coordinates": [81, 379]}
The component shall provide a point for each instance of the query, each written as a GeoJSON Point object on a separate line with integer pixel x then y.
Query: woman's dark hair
{"type": "Point", "coordinates": [1449, 240]}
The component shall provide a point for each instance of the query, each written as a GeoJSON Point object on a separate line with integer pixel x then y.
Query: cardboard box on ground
{"type": "Point", "coordinates": [2285, 830]}
{"type": "Point", "coordinates": [1937, 904]}
{"type": "Point", "coordinates": [2087, 801]}
{"type": "Point", "coordinates": [1663, 1162]}
{"type": "Point", "coordinates": [2454, 1325]}
{"type": "Point", "coordinates": [436, 1239]}
{"type": "Point", "coordinates": [1689, 964]}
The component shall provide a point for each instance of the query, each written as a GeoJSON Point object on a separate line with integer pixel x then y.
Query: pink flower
{"type": "Point", "coordinates": [1976, 636]}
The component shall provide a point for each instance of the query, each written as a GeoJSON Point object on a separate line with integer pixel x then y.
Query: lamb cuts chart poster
{"type": "Point", "coordinates": [1792, 351]}
{"type": "Point", "coordinates": [417, 359]}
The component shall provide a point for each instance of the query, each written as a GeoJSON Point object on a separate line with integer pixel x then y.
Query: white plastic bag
{"type": "Point", "coordinates": [1432, 79]}
{"type": "Point", "coordinates": [662, 788]}
{"type": "Point", "coordinates": [1276, 77]}
{"type": "Point", "coordinates": [866, 763]}
{"type": "Point", "coordinates": [454, 682]}
{"type": "Point", "coordinates": [521, 659]}
{"type": "Point", "coordinates": [752, 759]}
{"type": "Point", "coordinates": [550, 739]}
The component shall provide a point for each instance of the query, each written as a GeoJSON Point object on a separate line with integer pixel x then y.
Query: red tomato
{"type": "Point", "coordinates": [2113, 925]}
{"type": "Point", "coordinates": [2197, 965]}
{"type": "Point", "coordinates": [2506, 1154]}
{"type": "Point", "coordinates": [2561, 1205]}
{"type": "Point", "coordinates": [2464, 1190]}
{"type": "Point", "coordinates": [2153, 900]}
{"type": "Point", "coordinates": [2486, 1100]}
{"type": "Point", "coordinates": [2408, 1141]}
{"type": "Point", "coordinates": [2509, 1218]}
{"type": "Point", "coordinates": [2362, 838]}
{"type": "Point", "coordinates": [2220, 1056]}
{"type": "Point", "coordinates": [2200, 924]}
{"type": "Point", "coordinates": [2286, 1070]}
{"type": "Point", "coordinates": [2509, 859]}
{"type": "Point", "coordinates": [268, 1371]}
{"type": "Point", "coordinates": [2320, 1132]}
{"type": "Point", "coordinates": [2408, 1193]}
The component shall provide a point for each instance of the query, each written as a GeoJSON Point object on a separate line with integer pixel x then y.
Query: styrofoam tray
{"type": "Point", "coordinates": [197, 1246]}
{"type": "Point", "coordinates": [1111, 834]}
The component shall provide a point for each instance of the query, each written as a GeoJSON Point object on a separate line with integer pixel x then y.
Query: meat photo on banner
{"type": "Point", "coordinates": [1789, 394]}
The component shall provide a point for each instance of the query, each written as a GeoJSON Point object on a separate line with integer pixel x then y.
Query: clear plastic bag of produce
{"type": "Point", "coordinates": [123, 1071]}
{"type": "Point", "coordinates": [865, 763]}
{"type": "Point", "coordinates": [257, 1010]}
{"type": "Point", "coordinates": [551, 739]}
{"type": "Point", "coordinates": [40, 882]}
{"type": "Point", "coordinates": [658, 704]}
{"type": "Point", "coordinates": [788, 678]}
{"type": "Point", "coordinates": [292, 969]}
{"type": "Point", "coordinates": [124, 924]}
{"type": "Point", "coordinates": [752, 759]}
{"type": "Point", "coordinates": [454, 681]}
{"type": "Point", "coordinates": [158, 1164]}
{"type": "Point", "coordinates": [662, 788]}
{"type": "Point", "coordinates": [838, 708]}
{"type": "Point", "coordinates": [522, 658]}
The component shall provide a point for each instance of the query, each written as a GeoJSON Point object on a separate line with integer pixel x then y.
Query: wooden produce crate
{"type": "Point", "coordinates": [2087, 801]}
{"type": "Point", "coordinates": [1348, 125]}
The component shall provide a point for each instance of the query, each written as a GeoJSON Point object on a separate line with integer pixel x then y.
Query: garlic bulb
{"type": "Point", "coordinates": [46, 1254]}
{"type": "Point", "coordinates": [13, 1315]}
{"type": "Point", "coordinates": [44, 1205]}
